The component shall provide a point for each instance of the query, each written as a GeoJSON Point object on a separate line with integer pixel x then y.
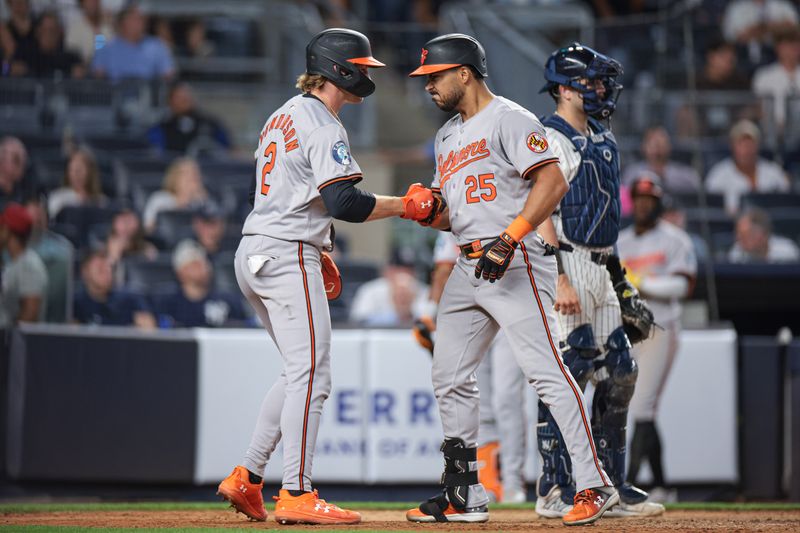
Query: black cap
{"type": "Point", "coordinates": [451, 51]}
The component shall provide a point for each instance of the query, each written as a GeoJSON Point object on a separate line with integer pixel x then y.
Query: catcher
{"type": "Point", "coordinates": [600, 313]}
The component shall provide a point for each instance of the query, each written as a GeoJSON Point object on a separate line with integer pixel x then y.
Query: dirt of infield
{"type": "Point", "coordinates": [501, 520]}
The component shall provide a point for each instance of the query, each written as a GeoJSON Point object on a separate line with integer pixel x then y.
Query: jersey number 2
{"type": "Point", "coordinates": [484, 182]}
{"type": "Point", "coordinates": [269, 163]}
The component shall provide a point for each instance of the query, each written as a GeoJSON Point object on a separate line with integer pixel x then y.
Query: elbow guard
{"type": "Point", "coordinates": [346, 202]}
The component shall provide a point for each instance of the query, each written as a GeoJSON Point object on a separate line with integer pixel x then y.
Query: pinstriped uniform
{"type": "Point", "coordinates": [302, 149]}
{"type": "Point", "coordinates": [503, 143]}
{"type": "Point", "coordinates": [599, 304]}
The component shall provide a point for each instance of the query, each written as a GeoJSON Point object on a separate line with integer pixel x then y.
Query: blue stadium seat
{"type": "Point", "coordinates": [75, 222]}
{"type": "Point", "coordinates": [150, 277]}
{"type": "Point", "coordinates": [772, 200]}
{"type": "Point", "coordinates": [174, 226]}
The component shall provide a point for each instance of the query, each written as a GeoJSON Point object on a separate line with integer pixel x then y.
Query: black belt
{"type": "Point", "coordinates": [472, 250]}
{"type": "Point", "coordinates": [601, 258]}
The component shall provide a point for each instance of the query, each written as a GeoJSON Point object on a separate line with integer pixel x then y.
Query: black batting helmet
{"type": "Point", "coordinates": [336, 54]}
{"type": "Point", "coordinates": [450, 51]}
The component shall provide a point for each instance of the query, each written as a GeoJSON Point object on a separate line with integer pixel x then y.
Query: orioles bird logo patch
{"type": "Point", "coordinates": [423, 56]}
{"type": "Point", "coordinates": [537, 143]}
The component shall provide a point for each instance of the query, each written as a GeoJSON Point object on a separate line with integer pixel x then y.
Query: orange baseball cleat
{"type": "Point", "coordinates": [244, 496]}
{"type": "Point", "coordinates": [590, 504]}
{"type": "Point", "coordinates": [309, 508]}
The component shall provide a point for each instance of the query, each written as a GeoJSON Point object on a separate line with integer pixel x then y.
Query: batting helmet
{"type": "Point", "coordinates": [649, 184]}
{"type": "Point", "coordinates": [450, 51]}
{"type": "Point", "coordinates": [336, 54]}
{"type": "Point", "coordinates": [571, 65]}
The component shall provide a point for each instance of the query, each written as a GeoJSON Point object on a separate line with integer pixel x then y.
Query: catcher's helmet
{"type": "Point", "coordinates": [450, 51]}
{"type": "Point", "coordinates": [571, 65]}
{"type": "Point", "coordinates": [336, 54]}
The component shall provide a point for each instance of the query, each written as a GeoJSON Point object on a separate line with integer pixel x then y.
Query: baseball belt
{"type": "Point", "coordinates": [601, 258]}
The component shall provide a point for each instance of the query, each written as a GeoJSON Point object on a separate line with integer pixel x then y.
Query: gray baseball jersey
{"type": "Point", "coordinates": [665, 250]}
{"type": "Point", "coordinates": [599, 304]}
{"type": "Point", "coordinates": [481, 170]}
{"type": "Point", "coordinates": [302, 149]}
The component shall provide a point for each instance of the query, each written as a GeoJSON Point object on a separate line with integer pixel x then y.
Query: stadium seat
{"type": "Point", "coordinates": [81, 219]}
{"type": "Point", "coordinates": [718, 220]}
{"type": "Point", "coordinates": [770, 201]}
{"type": "Point", "coordinates": [150, 277]}
{"type": "Point", "coordinates": [786, 221]}
{"type": "Point", "coordinates": [224, 274]}
{"type": "Point", "coordinates": [174, 226]}
{"type": "Point", "coordinates": [688, 200]}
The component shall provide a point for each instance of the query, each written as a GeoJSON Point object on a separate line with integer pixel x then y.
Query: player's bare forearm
{"type": "Point", "coordinates": [546, 193]}
{"type": "Point", "coordinates": [441, 271]}
{"type": "Point", "coordinates": [442, 222]}
{"type": "Point", "coordinates": [385, 207]}
{"type": "Point", "coordinates": [548, 232]}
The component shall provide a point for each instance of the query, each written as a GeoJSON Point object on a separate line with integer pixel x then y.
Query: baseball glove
{"type": "Point", "coordinates": [423, 332]}
{"type": "Point", "coordinates": [637, 319]}
{"type": "Point", "coordinates": [331, 277]}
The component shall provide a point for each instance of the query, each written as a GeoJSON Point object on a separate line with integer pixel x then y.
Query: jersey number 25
{"type": "Point", "coordinates": [269, 164]}
{"type": "Point", "coordinates": [484, 182]}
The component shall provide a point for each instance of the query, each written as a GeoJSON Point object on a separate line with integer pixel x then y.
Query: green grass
{"type": "Point", "coordinates": [17, 508]}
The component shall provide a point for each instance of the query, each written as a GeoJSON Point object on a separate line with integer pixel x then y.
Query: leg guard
{"type": "Point", "coordinates": [578, 352]}
{"type": "Point", "coordinates": [610, 412]}
{"type": "Point", "coordinates": [556, 464]}
{"type": "Point", "coordinates": [460, 471]}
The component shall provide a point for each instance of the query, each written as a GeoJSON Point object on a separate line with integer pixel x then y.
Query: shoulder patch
{"type": "Point", "coordinates": [537, 143]}
{"type": "Point", "coordinates": [341, 154]}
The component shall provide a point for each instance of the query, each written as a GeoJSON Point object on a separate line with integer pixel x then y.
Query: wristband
{"type": "Point", "coordinates": [519, 228]}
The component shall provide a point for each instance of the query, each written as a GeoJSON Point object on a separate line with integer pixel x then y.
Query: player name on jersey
{"type": "Point", "coordinates": [284, 123]}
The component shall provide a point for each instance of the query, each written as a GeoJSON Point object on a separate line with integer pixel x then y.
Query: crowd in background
{"type": "Point", "coordinates": [53, 273]}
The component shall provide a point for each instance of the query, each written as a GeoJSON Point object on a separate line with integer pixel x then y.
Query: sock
{"type": "Point", "coordinates": [297, 492]}
{"type": "Point", "coordinates": [254, 479]}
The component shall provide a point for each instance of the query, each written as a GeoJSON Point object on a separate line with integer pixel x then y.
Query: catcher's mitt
{"type": "Point", "coordinates": [637, 319]}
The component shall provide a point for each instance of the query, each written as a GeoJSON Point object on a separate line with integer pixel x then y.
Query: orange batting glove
{"type": "Point", "coordinates": [417, 203]}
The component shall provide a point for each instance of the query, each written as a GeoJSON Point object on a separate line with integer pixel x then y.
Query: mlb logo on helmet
{"type": "Point", "coordinates": [423, 56]}
{"type": "Point", "coordinates": [537, 143]}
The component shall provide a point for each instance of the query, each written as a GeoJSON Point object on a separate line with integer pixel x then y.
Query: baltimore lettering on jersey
{"type": "Point", "coordinates": [284, 123]}
{"type": "Point", "coordinates": [456, 160]}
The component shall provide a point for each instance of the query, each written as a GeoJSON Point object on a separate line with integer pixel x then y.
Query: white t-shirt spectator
{"type": "Point", "coordinates": [742, 14]}
{"type": "Point", "coordinates": [80, 36]}
{"type": "Point", "coordinates": [724, 178]}
{"type": "Point", "coordinates": [780, 250]}
{"type": "Point", "coordinates": [776, 82]}
{"type": "Point", "coordinates": [372, 305]}
{"type": "Point", "coordinates": [23, 277]}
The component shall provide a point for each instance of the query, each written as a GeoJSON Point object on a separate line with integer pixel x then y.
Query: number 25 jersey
{"type": "Point", "coordinates": [484, 165]}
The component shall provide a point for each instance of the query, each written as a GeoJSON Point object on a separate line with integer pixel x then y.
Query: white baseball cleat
{"type": "Point", "coordinates": [631, 510]}
{"type": "Point", "coordinates": [551, 505]}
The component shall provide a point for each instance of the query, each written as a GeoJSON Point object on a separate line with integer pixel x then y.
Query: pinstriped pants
{"type": "Point", "coordinates": [282, 281]}
{"type": "Point", "coordinates": [470, 313]}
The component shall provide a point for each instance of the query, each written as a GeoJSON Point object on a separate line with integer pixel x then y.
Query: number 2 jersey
{"type": "Point", "coordinates": [484, 165]}
{"type": "Point", "coordinates": [302, 149]}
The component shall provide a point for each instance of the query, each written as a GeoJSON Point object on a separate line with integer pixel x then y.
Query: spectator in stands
{"type": "Point", "coordinates": [187, 128]}
{"type": "Point", "coordinates": [675, 214]}
{"type": "Point", "coordinates": [657, 149]}
{"type": "Point", "coordinates": [755, 242]}
{"type": "Point", "coordinates": [719, 71]}
{"type": "Point", "coordinates": [196, 44]}
{"type": "Point", "coordinates": [24, 283]}
{"type": "Point", "coordinates": [161, 27]}
{"type": "Point", "coordinates": [393, 299]}
{"type": "Point", "coordinates": [88, 29]}
{"type": "Point", "coordinates": [745, 171]}
{"type": "Point", "coordinates": [751, 23]}
{"type": "Point", "coordinates": [782, 78]}
{"type": "Point", "coordinates": [182, 189]}
{"type": "Point", "coordinates": [127, 239]}
{"type": "Point", "coordinates": [97, 302]}
{"type": "Point", "coordinates": [46, 57]}
{"type": "Point", "coordinates": [57, 254]}
{"type": "Point", "coordinates": [81, 184]}
{"type": "Point", "coordinates": [208, 224]}
{"type": "Point", "coordinates": [195, 304]}
{"type": "Point", "coordinates": [13, 161]}
{"type": "Point", "coordinates": [132, 54]}
{"type": "Point", "coordinates": [18, 31]}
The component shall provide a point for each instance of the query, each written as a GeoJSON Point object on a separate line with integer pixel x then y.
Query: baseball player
{"type": "Point", "coordinates": [502, 406]}
{"type": "Point", "coordinates": [583, 84]}
{"type": "Point", "coordinates": [305, 177]}
{"type": "Point", "coordinates": [661, 263]}
{"type": "Point", "coordinates": [499, 180]}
